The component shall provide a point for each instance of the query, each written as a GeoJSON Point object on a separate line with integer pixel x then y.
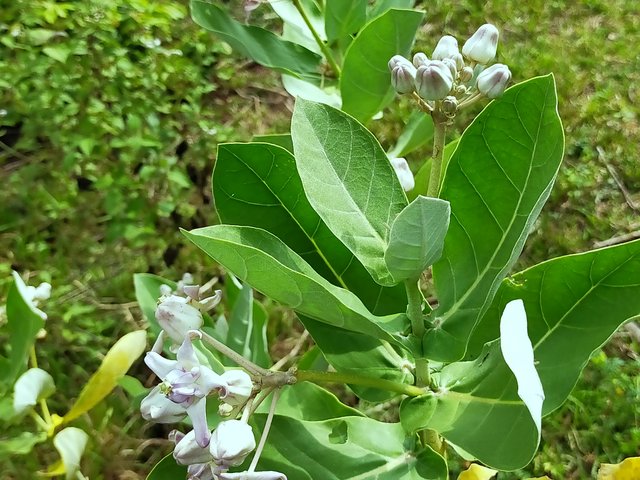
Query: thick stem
{"type": "Point", "coordinates": [323, 46]}
{"type": "Point", "coordinates": [355, 379]}
{"type": "Point", "coordinates": [439, 135]}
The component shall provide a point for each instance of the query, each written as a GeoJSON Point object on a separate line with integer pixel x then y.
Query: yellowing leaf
{"type": "Point", "coordinates": [629, 469]}
{"type": "Point", "coordinates": [477, 472]}
{"type": "Point", "coordinates": [115, 365]}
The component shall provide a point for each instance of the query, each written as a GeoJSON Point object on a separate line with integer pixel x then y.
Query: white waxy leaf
{"type": "Point", "coordinates": [518, 355]}
{"type": "Point", "coordinates": [32, 386]}
{"type": "Point", "coordinates": [70, 444]}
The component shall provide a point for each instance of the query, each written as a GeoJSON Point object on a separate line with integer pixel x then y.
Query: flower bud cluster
{"type": "Point", "coordinates": [451, 78]}
{"type": "Point", "coordinates": [186, 383]}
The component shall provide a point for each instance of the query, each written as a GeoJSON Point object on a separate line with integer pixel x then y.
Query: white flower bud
{"type": "Point", "coordinates": [493, 81]}
{"type": "Point", "coordinates": [403, 172]}
{"type": "Point", "coordinates": [447, 47]}
{"type": "Point", "coordinates": [459, 61]}
{"type": "Point", "coordinates": [466, 74]}
{"type": "Point", "coordinates": [451, 65]}
{"type": "Point", "coordinates": [165, 290]}
{"type": "Point", "coordinates": [192, 291]}
{"type": "Point", "coordinates": [176, 317]}
{"type": "Point", "coordinates": [403, 78]}
{"type": "Point", "coordinates": [482, 45]}
{"type": "Point", "coordinates": [231, 442]}
{"type": "Point", "coordinates": [420, 59]}
{"type": "Point", "coordinates": [450, 106]}
{"type": "Point", "coordinates": [239, 387]}
{"type": "Point", "coordinates": [42, 291]}
{"type": "Point", "coordinates": [433, 81]}
{"type": "Point", "coordinates": [188, 452]}
{"type": "Point", "coordinates": [397, 60]}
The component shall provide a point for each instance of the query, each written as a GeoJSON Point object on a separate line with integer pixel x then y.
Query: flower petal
{"type": "Point", "coordinates": [198, 415]}
{"type": "Point", "coordinates": [186, 354]}
{"type": "Point", "coordinates": [159, 365]}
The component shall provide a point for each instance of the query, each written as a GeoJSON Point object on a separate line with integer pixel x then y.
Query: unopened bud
{"type": "Point", "coordinates": [451, 65]}
{"type": "Point", "coordinates": [187, 451]}
{"type": "Point", "coordinates": [404, 174]}
{"type": "Point", "coordinates": [447, 47]}
{"type": "Point", "coordinates": [239, 389]}
{"type": "Point", "coordinates": [397, 60]}
{"type": "Point", "coordinates": [466, 74]}
{"type": "Point", "coordinates": [192, 291]}
{"type": "Point", "coordinates": [493, 81]}
{"type": "Point", "coordinates": [482, 45]}
{"type": "Point", "coordinates": [420, 59]}
{"type": "Point", "coordinates": [458, 58]}
{"type": "Point", "coordinates": [403, 78]}
{"type": "Point", "coordinates": [433, 81]}
{"type": "Point", "coordinates": [176, 317]}
{"type": "Point", "coordinates": [450, 106]}
{"type": "Point", "coordinates": [231, 442]}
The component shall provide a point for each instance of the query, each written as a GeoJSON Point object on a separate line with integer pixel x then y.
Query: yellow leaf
{"type": "Point", "coordinates": [477, 472]}
{"type": "Point", "coordinates": [115, 365]}
{"type": "Point", "coordinates": [629, 469]}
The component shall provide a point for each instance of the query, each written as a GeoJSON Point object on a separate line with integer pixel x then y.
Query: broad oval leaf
{"type": "Point", "coordinates": [416, 237]}
{"type": "Point", "coordinates": [32, 386]}
{"type": "Point", "coordinates": [257, 185]}
{"type": "Point", "coordinates": [256, 43]}
{"type": "Point", "coordinates": [497, 181]}
{"type": "Point", "coordinates": [267, 264]}
{"type": "Point", "coordinates": [114, 366]}
{"type": "Point", "coordinates": [574, 304]}
{"type": "Point", "coordinates": [348, 180]}
{"type": "Point", "coordinates": [365, 83]}
{"type": "Point", "coordinates": [344, 19]}
{"type": "Point", "coordinates": [346, 448]}
{"type": "Point", "coordinates": [167, 469]}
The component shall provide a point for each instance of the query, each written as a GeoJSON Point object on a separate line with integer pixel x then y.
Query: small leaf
{"type": "Point", "coordinates": [416, 237]}
{"type": "Point", "coordinates": [21, 444]}
{"type": "Point", "coordinates": [32, 386]}
{"type": "Point", "coordinates": [70, 444]}
{"type": "Point", "coordinates": [114, 366]}
{"type": "Point", "coordinates": [629, 469]}
{"type": "Point", "coordinates": [59, 53]}
{"type": "Point", "coordinates": [477, 472]}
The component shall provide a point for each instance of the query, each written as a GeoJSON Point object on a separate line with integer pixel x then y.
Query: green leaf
{"type": "Point", "coordinates": [327, 93]}
{"type": "Point", "coordinates": [417, 132]}
{"type": "Point", "coordinates": [280, 139]}
{"type": "Point", "coordinates": [147, 288]}
{"type": "Point", "coordinates": [266, 263]}
{"type": "Point", "coordinates": [289, 14]}
{"type": "Point", "coordinates": [258, 185]}
{"type": "Point", "coordinates": [347, 448]}
{"type": "Point", "coordinates": [365, 83]}
{"type": "Point", "coordinates": [114, 366]}
{"type": "Point", "coordinates": [478, 409]}
{"type": "Point", "coordinates": [497, 182]}
{"type": "Point", "coordinates": [21, 444]}
{"type": "Point", "coordinates": [32, 386]}
{"type": "Point", "coordinates": [381, 6]}
{"type": "Point", "coordinates": [417, 237]}
{"type": "Point", "coordinates": [344, 19]}
{"type": "Point", "coordinates": [24, 321]}
{"type": "Point", "coordinates": [348, 180]}
{"type": "Point", "coordinates": [167, 469]}
{"type": "Point", "coordinates": [574, 304]}
{"type": "Point", "coordinates": [256, 43]}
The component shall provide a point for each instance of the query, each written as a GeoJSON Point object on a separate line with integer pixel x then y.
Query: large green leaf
{"type": "Point", "coordinates": [497, 181]}
{"type": "Point", "coordinates": [258, 185]}
{"type": "Point", "coordinates": [256, 43]}
{"type": "Point", "coordinates": [167, 469]}
{"type": "Point", "coordinates": [267, 264]}
{"type": "Point", "coordinates": [417, 132]}
{"type": "Point", "coordinates": [24, 321]}
{"type": "Point", "coordinates": [348, 180]}
{"type": "Point", "coordinates": [381, 6]}
{"type": "Point", "coordinates": [416, 237]}
{"type": "Point", "coordinates": [343, 19]}
{"type": "Point", "coordinates": [478, 409]}
{"type": "Point", "coordinates": [346, 448]}
{"type": "Point", "coordinates": [573, 304]}
{"type": "Point", "coordinates": [365, 83]}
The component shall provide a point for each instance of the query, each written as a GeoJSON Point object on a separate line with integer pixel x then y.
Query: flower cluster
{"type": "Point", "coordinates": [187, 382]}
{"type": "Point", "coordinates": [452, 79]}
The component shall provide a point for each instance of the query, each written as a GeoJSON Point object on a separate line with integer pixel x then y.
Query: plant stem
{"type": "Point", "coordinates": [235, 356]}
{"type": "Point", "coordinates": [439, 135]}
{"type": "Point", "coordinates": [323, 46]}
{"type": "Point", "coordinates": [355, 379]}
{"type": "Point", "coordinates": [265, 432]}
{"type": "Point", "coordinates": [414, 308]}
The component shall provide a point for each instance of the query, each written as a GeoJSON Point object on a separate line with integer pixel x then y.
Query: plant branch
{"type": "Point", "coordinates": [355, 379]}
{"type": "Point", "coordinates": [235, 356]}
{"type": "Point", "coordinates": [265, 432]}
{"type": "Point", "coordinates": [323, 46]}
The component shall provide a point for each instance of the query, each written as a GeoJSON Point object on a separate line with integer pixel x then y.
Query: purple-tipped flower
{"type": "Point", "coordinates": [493, 81]}
{"type": "Point", "coordinates": [231, 442]}
{"type": "Point", "coordinates": [447, 47]}
{"type": "Point", "coordinates": [176, 317]}
{"type": "Point", "coordinates": [420, 59]}
{"type": "Point", "coordinates": [187, 383]}
{"type": "Point", "coordinates": [187, 451]}
{"type": "Point", "coordinates": [158, 408]}
{"type": "Point", "coordinates": [482, 45]}
{"type": "Point", "coordinates": [434, 80]}
{"type": "Point", "coordinates": [403, 74]}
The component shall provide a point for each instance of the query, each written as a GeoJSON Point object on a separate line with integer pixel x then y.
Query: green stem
{"type": "Point", "coordinates": [323, 46]}
{"type": "Point", "coordinates": [355, 379]}
{"type": "Point", "coordinates": [439, 135]}
{"type": "Point", "coordinates": [235, 356]}
{"type": "Point", "coordinates": [43, 403]}
{"type": "Point", "coordinates": [414, 312]}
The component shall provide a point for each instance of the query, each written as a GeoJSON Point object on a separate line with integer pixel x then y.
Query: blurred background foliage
{"type": "Point", "coordinates": [110, 114]}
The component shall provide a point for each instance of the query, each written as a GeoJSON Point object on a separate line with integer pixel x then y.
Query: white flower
{"type": "Point", "coordinates": [493, 81]}
{"type": "Point", "coordinates": [403, 172]}
{"type": "Point", "coordinates": [239, 387]}
{"type": "Point", "coordinates": [187, 383]}
{"type": "Point", "coordinates": [231, 442]}
{"type": "Point", "coordinates": [482, 45]}
{"type": "Point", "coordinates": [420, 59]}
{"type": "Point", "coordinates": [176, 317]}
{"type": "Point", "coordinates": [447, 48]}
{"type": "Point", "coordinates": [158, 408]}
{"type": "Point", "coordinates": [187, 451]}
